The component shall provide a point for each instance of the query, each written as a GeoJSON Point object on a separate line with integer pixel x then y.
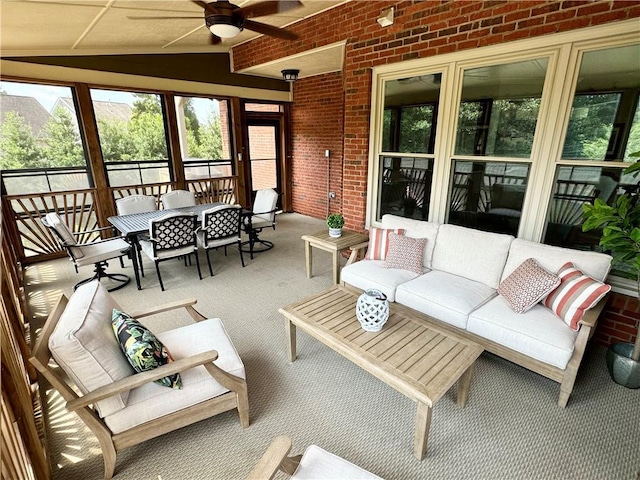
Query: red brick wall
{"type": "Point", "coordinates": [620, 321]}
{"type": "Point", "coordinates": [421, 29]}
{"type": "Point", "coordinates": [317, 124]}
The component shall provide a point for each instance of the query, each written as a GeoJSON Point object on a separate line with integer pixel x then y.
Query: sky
{"type": "Point", "coordinates": [47, 96]}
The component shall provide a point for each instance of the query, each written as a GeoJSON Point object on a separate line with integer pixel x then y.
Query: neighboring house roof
{"type": "Point", "coordinates": [103, 110]}
{"type": "Point", "coordinates": [34, 114]}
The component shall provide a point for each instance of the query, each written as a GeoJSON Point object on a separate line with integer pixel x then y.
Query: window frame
{"type": "Point", "coordinates": [564, 52]}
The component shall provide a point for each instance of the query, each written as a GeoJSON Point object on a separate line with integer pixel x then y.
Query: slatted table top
{"type": "Point", "coordinates": [409, 354]}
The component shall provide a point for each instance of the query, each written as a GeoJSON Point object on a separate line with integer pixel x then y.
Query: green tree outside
{"type": "Point", "coordinates": [62, 145]}
{"type": "Point", "coordinates": [18, 148]}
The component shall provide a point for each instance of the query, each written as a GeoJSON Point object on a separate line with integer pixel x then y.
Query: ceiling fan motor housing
{"type": "Point", "coordinates": [221, 19]}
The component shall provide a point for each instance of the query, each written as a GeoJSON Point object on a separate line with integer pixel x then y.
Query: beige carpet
{"type": "Point", "coordinates": [511, 427]}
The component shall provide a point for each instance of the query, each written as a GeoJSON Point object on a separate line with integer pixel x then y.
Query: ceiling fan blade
{"type": "Point", "coordinates": [269, 8]}
{"type": "Point", "coordinates": [269, 30]}
{"type": "Point", "coordinates": [202, 5]}
{"type": "Point", "coordinates": [162, 18]}
{"type": "Point", "coordinates": [215, 40]}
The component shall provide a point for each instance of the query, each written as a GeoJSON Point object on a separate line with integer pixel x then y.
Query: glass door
{"type": "Point", "coordinates": [264, 162]}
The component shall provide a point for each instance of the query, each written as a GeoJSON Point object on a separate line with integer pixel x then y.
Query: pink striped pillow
{"type": "Point", "coordinates": [576, 294]}
{"type": "Point", "coordinates": [379, 242]}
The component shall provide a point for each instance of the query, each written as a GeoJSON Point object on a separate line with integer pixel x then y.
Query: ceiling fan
{"type": "Point", "coordinates": [226, 20]}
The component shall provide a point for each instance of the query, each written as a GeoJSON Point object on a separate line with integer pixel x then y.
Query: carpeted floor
{"type": "Point", "coordinates": [510, 428]}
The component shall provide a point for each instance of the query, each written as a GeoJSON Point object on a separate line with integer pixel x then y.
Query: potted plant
{"type": "Point", "coordinates": [335, 222]}
{"type": "Point", "coordinates": [620, 226]}
{"type": "Point", "coordinates": [409, 204]}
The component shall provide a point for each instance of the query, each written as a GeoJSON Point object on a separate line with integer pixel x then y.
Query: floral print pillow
{"type": "Point", "coordinates": [143, 350]}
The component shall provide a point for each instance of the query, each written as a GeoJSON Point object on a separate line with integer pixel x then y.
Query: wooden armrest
{"type": "Point", "coordinates": [272, 459]}
{"type": "Point", "coordinates": [355, 249]}
{"type": "Point", "coordinates": [590, 318]}
{"type": "Point", "coordinates": [139, 379]}
{"type": "Point", "coordinates": [166, 307]}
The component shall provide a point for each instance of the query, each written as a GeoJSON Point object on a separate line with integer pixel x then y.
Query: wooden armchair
{"type": "Point", "coordinates": [122, 408]}
{"type": "Point", "coordinates": [314, 463]}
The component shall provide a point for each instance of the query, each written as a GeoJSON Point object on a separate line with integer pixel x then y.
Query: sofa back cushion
{"type": "Point", "coordinates": [84, 346]}
{"type": "Point", "coordinates": [415, 229]}
{"type": "Point", "coordinates": [472, 254]}
{"type": "Point", "coordinates": [552, 258]}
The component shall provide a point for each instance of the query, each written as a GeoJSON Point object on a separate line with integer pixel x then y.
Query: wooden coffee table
{"type": "Point", "coordinates": [335, 246]}
{"type": "Point", "coordinates": [409, 353]}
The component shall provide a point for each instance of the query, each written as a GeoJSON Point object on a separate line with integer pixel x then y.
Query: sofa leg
{"type": "Point", "coordinates": [566, 387]}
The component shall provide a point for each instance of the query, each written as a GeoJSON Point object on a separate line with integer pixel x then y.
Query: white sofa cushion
{"type": "Point", "coordinates": [446, 297]}
{"type": "Point", "coordinates": [551, 258]}
{"type": "Point", "coordinates": [151, 401]}
{"type": "Point", "coordinates": [84, 346]}
{"type": "Point", "coordinates": [367, 274]}
{"type": "Point", "coordinates": [318, 464]}
{"type": "Point", "coordinates": [472, 254]}
{"type": "Point", "coordinates": [537, 333]}
{"type": "Point", "coordinates": [415, 229]}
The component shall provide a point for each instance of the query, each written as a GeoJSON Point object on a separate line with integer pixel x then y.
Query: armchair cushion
{"type": "Point", "coordinates": [318, 463]}
{"type": "Point", "coordinates": [84, 346]}
{"type": "Point", "coordinates": [151, 401]}
{"type": "Point", "coordinates": [141, 347]}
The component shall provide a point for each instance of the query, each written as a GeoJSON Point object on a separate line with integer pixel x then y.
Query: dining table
{"type": "Point", "coordinates": [133, 224]}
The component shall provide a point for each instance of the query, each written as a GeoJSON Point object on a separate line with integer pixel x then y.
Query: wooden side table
{"type": "Point", "coordinates": [335, 246]}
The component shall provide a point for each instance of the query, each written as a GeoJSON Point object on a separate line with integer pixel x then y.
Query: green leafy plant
{"type": "Point", "coordinates": [335, 220]}
{"type": "Point", "coordinates": [620, 226]}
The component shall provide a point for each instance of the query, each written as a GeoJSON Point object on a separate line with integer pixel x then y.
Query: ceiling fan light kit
{"type": "Point", "coordinates": [223, 27]}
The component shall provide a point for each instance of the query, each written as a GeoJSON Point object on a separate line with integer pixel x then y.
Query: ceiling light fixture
{"type": "Point", "coordinates": [223, 26]}
{"type": "Point", "coordinates": [290, 75]}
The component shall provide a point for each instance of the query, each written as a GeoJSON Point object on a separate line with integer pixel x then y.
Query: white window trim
{"type": "Point", "coordinates": [564, 52]}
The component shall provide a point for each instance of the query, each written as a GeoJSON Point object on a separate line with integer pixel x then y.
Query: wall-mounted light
{"type": "Point", "coordinates": [387, 17]}
{"type": "Point", "coordinates": [290, 75]}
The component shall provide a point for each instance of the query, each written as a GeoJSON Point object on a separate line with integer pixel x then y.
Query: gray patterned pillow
{"type": "Point", "coordinates": [527, 285]}
{"type": "Point", "coordinates": [405, 253]}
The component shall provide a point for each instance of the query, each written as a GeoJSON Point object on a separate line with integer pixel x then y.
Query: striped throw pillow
{"type": "Point", "coordinates": [379, 242]}
{"type": "Point", "coordinates": [576, 294]}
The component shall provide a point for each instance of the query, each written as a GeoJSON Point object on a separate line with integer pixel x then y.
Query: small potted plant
{"type": "Point", "coordinates": [620, 226]}
{"type": "Point", "coordinates": [335, 222]}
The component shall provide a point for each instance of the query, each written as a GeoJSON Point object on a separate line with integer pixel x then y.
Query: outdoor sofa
{"type": "Point", "coordinates": [462, 270]}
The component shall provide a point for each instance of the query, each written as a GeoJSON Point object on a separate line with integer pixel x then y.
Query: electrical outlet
{"type": "Point", "coordinates": [332, 194]}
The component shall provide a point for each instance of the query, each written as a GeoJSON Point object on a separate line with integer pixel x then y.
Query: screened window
{"type": "Point", "coordinates": [488, 195]}
{"type": "Point", "coordinates": [603, 127]}
{"type": "Point", "coordinates": [408, 128]}
{"type": "Point", "coordinates": [133, 136]}
{"type": "Point", "coordinates": [203, 129]}
{"type": "Point", "coordinates": [41, 148]}
{"type": "Point", "coordinates": [499, 109]}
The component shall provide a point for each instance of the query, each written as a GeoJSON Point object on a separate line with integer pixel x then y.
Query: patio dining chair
{"type": "Point", "coordinates": [136, 204]}
{"type": "Point", "coordinates": [95, 253]}
{"type": "Point", "coordinates": [221, 226]}
{"type": "Point", "coordinates": [263, 215]}
{"type": "Point", "coordinates": [171, 236]}
{"type": "Point", "coordinates": [93, 375]}
{"type": "Point", "coordinates": [178, 199]}
{"type": "Point", "coordinates": [314, 463]}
